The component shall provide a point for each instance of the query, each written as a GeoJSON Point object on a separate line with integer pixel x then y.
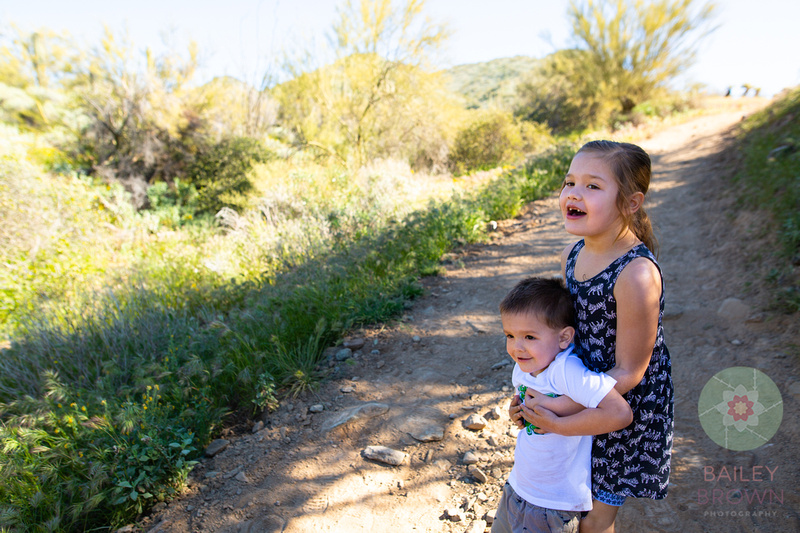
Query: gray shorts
{"type": "Point", "coordinates": [515, 515]}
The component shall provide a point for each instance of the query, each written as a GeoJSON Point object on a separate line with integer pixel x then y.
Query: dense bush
{"type": "Point", "coordinates": [485, 142]}
{"type": "Point", "coordinates": [220, 174]}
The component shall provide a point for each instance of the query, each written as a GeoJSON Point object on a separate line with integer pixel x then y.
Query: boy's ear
{"type": "Point", "coordinates": [635, 201]}
{"type": "Point", "coordinates": [565, 337]}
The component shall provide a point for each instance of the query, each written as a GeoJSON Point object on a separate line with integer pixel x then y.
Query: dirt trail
{"type": "Point", "coordinates": [420, 379]}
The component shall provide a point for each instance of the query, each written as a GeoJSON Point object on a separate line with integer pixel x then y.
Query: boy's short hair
{"type": "Point", "coordinates": [547, 298]}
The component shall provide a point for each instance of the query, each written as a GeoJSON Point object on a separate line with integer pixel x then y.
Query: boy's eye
{"type": "Point", "coordinates": [568, 183]}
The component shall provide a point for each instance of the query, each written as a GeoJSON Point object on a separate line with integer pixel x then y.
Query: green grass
{"type": "Point", "coordinates": [769, 144]}
{"type": "Point", "coordinates": [104, 407]}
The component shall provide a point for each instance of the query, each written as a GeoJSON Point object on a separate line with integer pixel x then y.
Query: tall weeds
{"type": "Point", "coordinates": [104, 408]}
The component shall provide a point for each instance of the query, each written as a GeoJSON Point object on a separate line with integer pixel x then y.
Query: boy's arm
{"type": "Point", "coordinates": [561, 405]}
{"type": "Point", "coordinates": [611, 414]}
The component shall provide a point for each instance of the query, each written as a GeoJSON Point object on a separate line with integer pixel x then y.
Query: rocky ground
{"type": "Point", "coordinates": [411, 432]}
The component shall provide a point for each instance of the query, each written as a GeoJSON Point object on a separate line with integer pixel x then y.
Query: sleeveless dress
{"type": "Point", "coordinates": [634, 461]}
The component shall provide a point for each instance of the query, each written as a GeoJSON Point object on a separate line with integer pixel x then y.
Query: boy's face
{"type": "Point", "coordinates": [532, 343]}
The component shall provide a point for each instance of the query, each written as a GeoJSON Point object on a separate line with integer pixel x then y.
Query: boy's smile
{"type": "Point", "coordinates": [531, 343]}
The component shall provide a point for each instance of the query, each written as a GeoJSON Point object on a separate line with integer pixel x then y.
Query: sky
{"type": "Point", "coordinates": [755, 42]}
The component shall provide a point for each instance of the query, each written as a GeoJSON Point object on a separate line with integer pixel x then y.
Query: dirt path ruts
{"type": "Point", "coordinates": [434, 369]}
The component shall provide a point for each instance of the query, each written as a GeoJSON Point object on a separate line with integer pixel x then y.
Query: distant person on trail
{"type": "Point", "coordinates": [550, 483]}
{"type": "Point", "coordinates": [618, 294]}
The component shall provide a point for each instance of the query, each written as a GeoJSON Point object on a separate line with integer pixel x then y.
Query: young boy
{"type": "Point", "coordinates": [550, 483]}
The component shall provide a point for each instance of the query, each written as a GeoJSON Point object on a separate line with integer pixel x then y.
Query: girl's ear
{"type": "Point", "coordinates": [565, 337]}
{"type": "Point", "coordinates": [635, 201]}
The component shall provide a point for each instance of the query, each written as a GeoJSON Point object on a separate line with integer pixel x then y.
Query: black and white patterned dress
{"type": "Point", "coordinates": [634, 461]}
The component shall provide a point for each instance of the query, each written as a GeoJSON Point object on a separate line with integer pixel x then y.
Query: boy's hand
{"type": "Point", "coordinates": [560, 405]}
{"type": "Point", "coordinates": [515, 412]}
{"type": "Point", "coordinates": [544, 419]}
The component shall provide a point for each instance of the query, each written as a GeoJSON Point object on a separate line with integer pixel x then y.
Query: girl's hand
{"type": "Point", "coordinates": [545, 420]}
{"type": "Point", "coordinates": [515, 412]}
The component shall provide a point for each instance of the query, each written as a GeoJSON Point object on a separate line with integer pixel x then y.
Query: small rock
{"type": "Point", "coordinates": [375, 352]}
{"type": "Point", "coordinates": [344, 354]}
{"type": "Point", "coordinates": [455, 515]}
{"type": "Point", "coordinates": [347, 389]}
{"type": "Point", "coordinates": [482, 497]}
{"type": "Point", "coordinates": [452, 416]}
{"type": "Point", "coordinates": [130, 528]}
{"type": "Point", "coordinates": [470, 458]}
{"type": "Point", "coordinates": [384, 455]}
{"type": "Point", "coordinates": [242, 477]}
{"type": "Point", "coordinates": [354, 344]}
{"type": "Point", "coordinates": [317, 408]}
{"type": "Point", "coordinates": [495, 414]}
{"type": "Point", "coordinates": [359, 412]}
{"type": "Point", "coordinates": [477, 473]}
{"type": "Point", "coordinates": [502, 364]}
{"type": "Point", "coordinates": [475, 422]}
{"type": "Point", "coordinates": [512, 432]}
{"type": "Point", "coordinates": [190, 508]}
{"type": "Point", "coordinates": [496, 472]}
{"type": "Point", "coordinates": [416, 338]}
{"type": "Point", "coordinates": [380, 364]}
{"type": "Point", "coordinates": [431, 433]}
{"type": "Point", "coordinates": [477, 526]}
{"type": "Point", "coordinates": [442, 464]}
{"type": "Point", "coordinates": [258, 426]}
{"type": "Point", "coordinates": [734, 310]}
{"type": "Point", "coordinates": [489, 516]}
{"type": "Point", "coordinates": [794, 389]}
{"type": "Point", "coordinates": [216, 446]}
{"type": "Point", "coordinates": [736, 342]}
{"type": "Point", "coordinates": [211, 475]}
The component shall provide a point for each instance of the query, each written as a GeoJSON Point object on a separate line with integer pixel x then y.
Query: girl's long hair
{"type": "Point", "coordinates": [630, 164]}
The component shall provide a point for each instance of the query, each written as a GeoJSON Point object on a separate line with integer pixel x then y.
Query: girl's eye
{"type": "Point", "coordinates": [592, 186]}
{"type": "Point", "coordinates": [569, 183]}
{"type": "Point", "coordinates": [530, 337]}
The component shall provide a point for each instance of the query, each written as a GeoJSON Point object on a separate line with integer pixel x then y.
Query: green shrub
{"type": "Point", "coordinates": [220, 175]}
{"type": "Point", "coordinates": [491, 139]}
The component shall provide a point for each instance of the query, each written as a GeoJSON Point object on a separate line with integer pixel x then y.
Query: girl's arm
{"type": "Point", "coordinates": [611, 414]}
{"type": "Point", "coordinates": [637, 292]}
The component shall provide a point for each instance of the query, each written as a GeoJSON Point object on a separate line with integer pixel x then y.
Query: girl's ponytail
{"type": "Point", "coordinates": [643, 229]}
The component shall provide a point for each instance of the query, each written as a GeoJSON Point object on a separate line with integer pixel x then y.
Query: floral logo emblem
{"type": "Point", "coordinates": [740, 408]}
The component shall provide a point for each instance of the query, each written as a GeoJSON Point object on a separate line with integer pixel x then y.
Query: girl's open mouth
{"type": "Point", "coordinates": [574, 212]}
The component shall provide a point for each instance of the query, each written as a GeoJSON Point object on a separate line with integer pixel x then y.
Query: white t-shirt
{"type": "Point", "coordinates": [554, 471]}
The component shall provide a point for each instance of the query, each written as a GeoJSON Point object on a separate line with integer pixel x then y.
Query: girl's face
{"type": "Point", "coordinates": [589, 198]}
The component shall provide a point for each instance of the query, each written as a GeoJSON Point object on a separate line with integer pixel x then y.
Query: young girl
{"type": "Point", "coordinates": [618, 294]}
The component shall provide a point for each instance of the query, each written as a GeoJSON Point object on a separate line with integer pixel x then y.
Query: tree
{"type": "Point", "coordinates": [369, 101]}
{"type": "Point", "coordinates": [34, 67]}
{"type": "Point", "coordinates": [555, 94]}
{"type": "Point", "coordinates": [634, 47]}
{"type": "Point", "coordinates": [146, 124]}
